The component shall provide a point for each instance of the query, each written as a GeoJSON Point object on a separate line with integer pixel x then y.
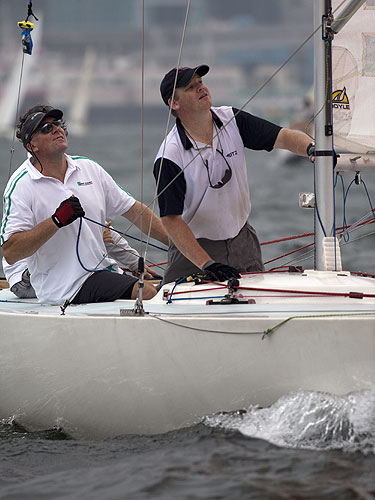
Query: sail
{"type": "Point", "coordinates": [353, 85]}
{"type": "Point", "coordinates": [79, 109]}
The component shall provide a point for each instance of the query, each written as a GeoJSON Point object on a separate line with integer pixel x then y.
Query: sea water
{"type": "Point", "coordinates": [307, 445]}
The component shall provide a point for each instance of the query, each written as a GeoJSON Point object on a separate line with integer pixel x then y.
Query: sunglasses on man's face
{"type": "Point", "coordinates": [48, 127]}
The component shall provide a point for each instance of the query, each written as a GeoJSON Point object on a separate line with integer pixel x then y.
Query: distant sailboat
{"type": "Point", "coordinates": [81, 102]}
{"type": "Point", "coordinates": [8, 103]}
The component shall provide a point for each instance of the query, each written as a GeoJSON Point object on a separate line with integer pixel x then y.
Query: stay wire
{"type": "Point", "coordinates": [16, 117]}
{"type": "Point", "coordinates": [156, 196]}
{"type": "Point", "coordinates": [142, 125]}
{"type": "Point", "coordinates": [12, 150]}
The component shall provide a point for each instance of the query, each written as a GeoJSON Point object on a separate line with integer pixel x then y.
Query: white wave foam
{"type": "Point", "coordinates": [311, 420]}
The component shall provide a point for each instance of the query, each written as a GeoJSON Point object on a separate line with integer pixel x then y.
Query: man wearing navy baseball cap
{"type": "Point", "coordinates": [184, 76]}
{"type": "Point", "coordinates": [202, 183]}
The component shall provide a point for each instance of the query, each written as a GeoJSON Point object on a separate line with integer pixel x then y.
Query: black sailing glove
{"type": "Point", "coordinates": [68, 211]}
{"type": "Point", "coordinates": [220, 272]}
{"type": "Point", "coordinates": [310, 150]}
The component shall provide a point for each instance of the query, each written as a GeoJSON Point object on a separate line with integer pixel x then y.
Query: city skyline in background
{"type": "Point", "coordinates": [89, 54]}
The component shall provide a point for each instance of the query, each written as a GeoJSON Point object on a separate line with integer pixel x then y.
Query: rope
{"type": "Point", "coordinates": [123, 234]}
{"type": "Point", "coordinates": [296, 292]}
{"type": "Point", "coordinates": [288, 253]}
{"type": "Point", "coordinates": [287, 238]}
{"type": "Point", "coordinates": [169, 301]}
{"type": "Point", "coordinates": [95, 270]}
{"type": "Point", "coordinates": [361, 222]}
{"type": "Point", "coordinates": [264, 333]}
{"type": "Point", "coordinates": [202, 329]}
{"type": "Point", "coordinates": [270, 330]}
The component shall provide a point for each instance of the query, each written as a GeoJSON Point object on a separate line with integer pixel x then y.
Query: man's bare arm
{"type": "Point", "coordinates": [185, 240]}
{"type": "Point", "coordinates": [295, 141]}
{"type": "Point", "coordinates": [25, 243]}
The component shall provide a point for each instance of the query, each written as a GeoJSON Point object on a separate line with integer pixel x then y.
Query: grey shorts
{"type": "Point", "coordinates": [23, 289]}
{"type": "Point", "coordinates": [241, 252]}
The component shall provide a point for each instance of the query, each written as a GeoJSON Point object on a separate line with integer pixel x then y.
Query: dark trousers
{"type": "Point", "coordinates": [105, 286]}
{"type": "Point", "coordinates": [241, 252]}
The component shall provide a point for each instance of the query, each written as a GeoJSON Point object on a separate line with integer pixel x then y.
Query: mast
{"type": "Point", "coordinates": [324, 198]}
{"type": "Point", "coordinates": [327, 250]}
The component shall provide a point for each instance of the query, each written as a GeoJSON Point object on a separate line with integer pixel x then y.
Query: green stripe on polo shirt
{"type": "Point", "coordinates": [7, 197]}
{"type": "Point", "coordinates": [85, 158]}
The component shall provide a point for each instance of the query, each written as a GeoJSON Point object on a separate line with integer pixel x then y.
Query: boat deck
{"type": "Point", "coordinates": [267, 295]}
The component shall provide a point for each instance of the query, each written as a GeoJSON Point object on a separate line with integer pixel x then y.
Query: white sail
{"type": "Point", "coordinates": [353, 86]}
{"type": "Point", "coordinates": [81, 103]}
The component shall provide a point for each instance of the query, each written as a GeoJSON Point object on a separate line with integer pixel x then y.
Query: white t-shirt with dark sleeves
{"type": "Point", "coordinates": [30, 198]}
{"type": "Point", "coordinates": [214, 213]}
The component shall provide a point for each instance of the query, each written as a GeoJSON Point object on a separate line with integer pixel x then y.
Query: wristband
{"type": "Point", "coordinates": [310, 150]}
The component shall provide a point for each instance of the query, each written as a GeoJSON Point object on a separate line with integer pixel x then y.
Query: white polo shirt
{"type": "Point", "coordinates": [30, 198]}
{"type": "Point", "coordinates": [13, 273]}
{"type": "Point", "coordinates": [220, 212]}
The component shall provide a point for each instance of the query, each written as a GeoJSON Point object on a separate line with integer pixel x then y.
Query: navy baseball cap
{"type": "Point", "coordinates": [32, 122]}
{"type": "Point", "coordinates": [184, 76]}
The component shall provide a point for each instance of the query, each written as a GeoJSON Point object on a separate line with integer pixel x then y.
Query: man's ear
{"type": "Point", "coordinates": [175, 104]}
{"type": "Point", "coordinates": [31, 147]}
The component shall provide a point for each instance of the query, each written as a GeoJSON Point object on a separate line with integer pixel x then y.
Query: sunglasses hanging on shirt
{"type": "Point", "coordinates": [227, 174]}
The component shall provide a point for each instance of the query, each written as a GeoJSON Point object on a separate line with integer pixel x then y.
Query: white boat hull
{"type": "Point", "coordinates": [98, 374]}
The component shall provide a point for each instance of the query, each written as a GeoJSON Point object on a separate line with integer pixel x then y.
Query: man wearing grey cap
{"type": "Point", "coordinates": [64, 250]}
{"type": "Point", "coordinates": [202, 183]}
